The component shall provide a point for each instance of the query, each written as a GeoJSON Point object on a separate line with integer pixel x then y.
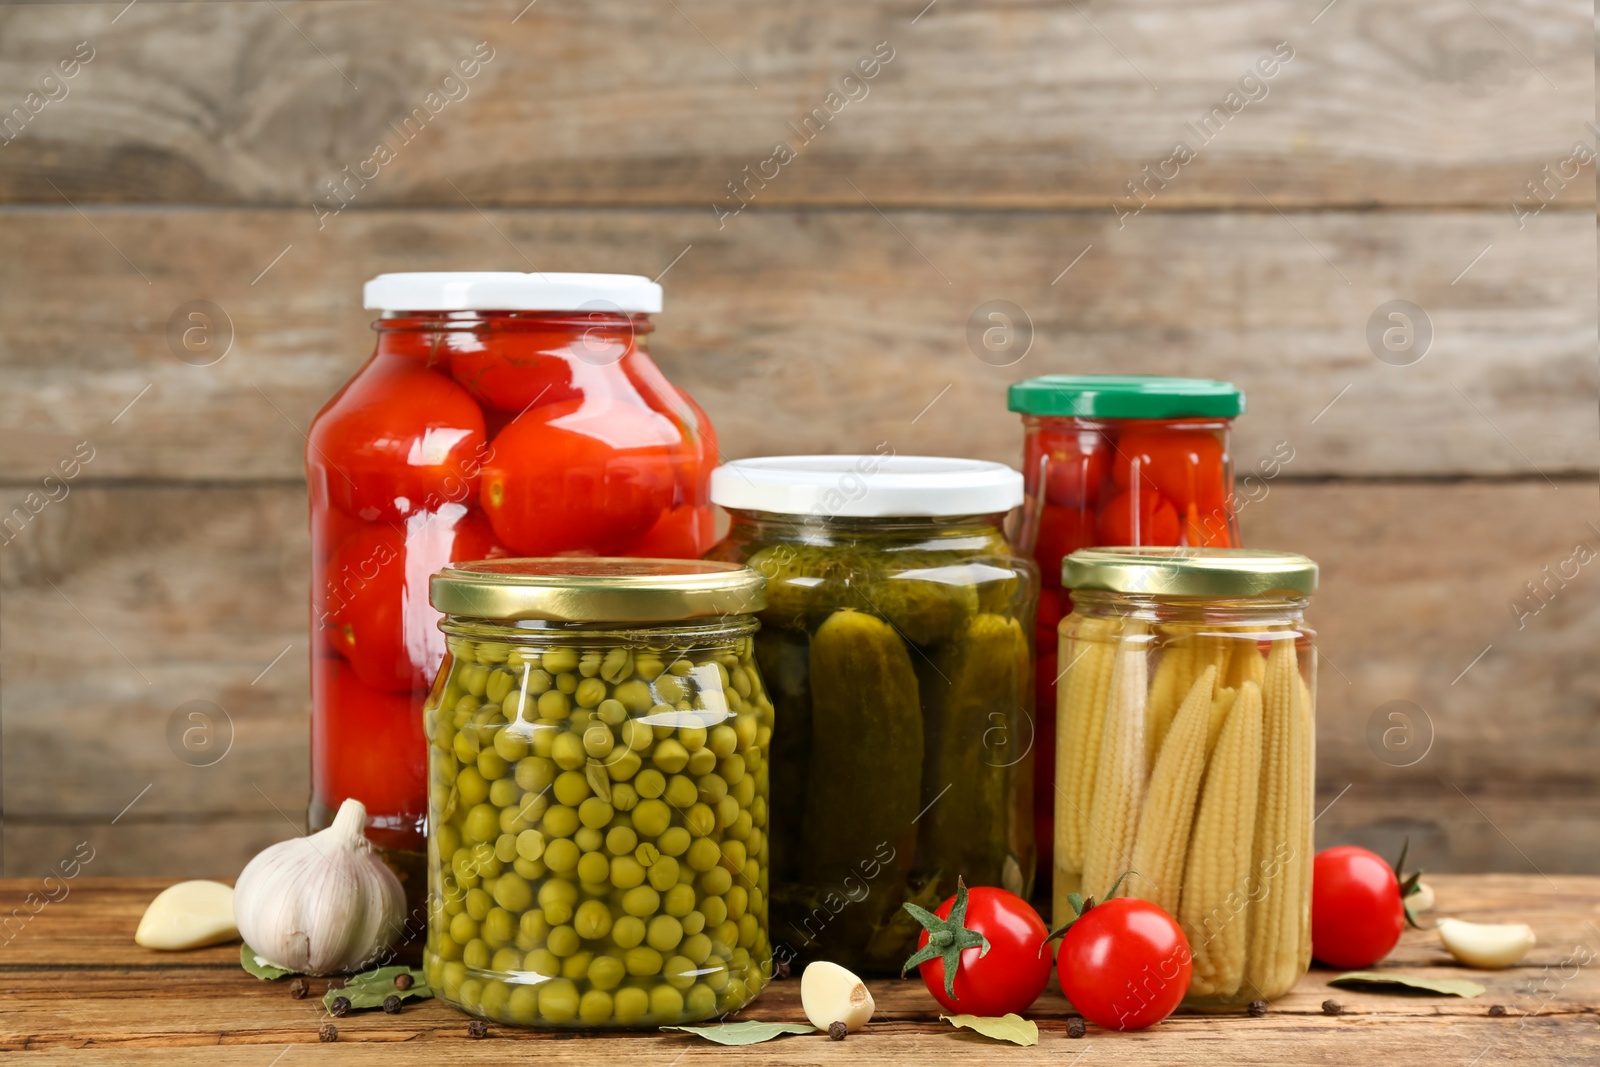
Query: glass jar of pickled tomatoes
{"type": "Point", "coordinates": [501, 414]}
{"type": "Point", "coordinates": [1114, 460]}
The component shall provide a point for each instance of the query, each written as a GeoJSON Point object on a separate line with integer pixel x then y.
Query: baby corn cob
{"type": "Point", "coordinates": [1120, 783]}
{"type": "Point", "coordinates": [1216, 877]}
{"type": "Point", "coordinates": [1247, 665]}
{"type": "Point", "coordinates": [1162, 843]}
{"type": "Point", "coordinates": [1080, 713]}
{"type": "Point", "coordinates": [1283, 830]}
{"type": "Point", "coordinates": [1185, 659]}
{"type": "Point", "coordinates": [1221, 704]}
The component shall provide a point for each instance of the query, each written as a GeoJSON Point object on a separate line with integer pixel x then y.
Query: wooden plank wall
{"type": "Point", "coordinates": [1387, 157]}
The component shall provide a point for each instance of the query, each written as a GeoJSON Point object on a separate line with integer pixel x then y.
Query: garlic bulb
{"type": "Point", "coordinates": [322, 904]}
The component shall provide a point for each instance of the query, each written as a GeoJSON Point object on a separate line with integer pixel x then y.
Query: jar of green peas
{"type": "Point", "coordinates": [598, 737]}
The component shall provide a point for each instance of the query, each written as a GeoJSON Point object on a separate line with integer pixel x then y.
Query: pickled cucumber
{"type": "Point", "coordinates": [598, 861]}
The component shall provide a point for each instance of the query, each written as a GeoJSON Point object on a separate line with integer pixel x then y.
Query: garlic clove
{"type": "Point", "coordinates": [1420, 901]}
{"type": "Point", "coordinates": [323, 904]}
{"type": "Point", "coordinates": [1487, 946]}
{"type": "Point", "coordinates": [830, 994]}
{"type": "Point", "coordinates": [188, 915]}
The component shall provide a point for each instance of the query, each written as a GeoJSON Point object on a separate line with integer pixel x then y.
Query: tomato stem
{"type": "Point", "coordinates": [947, 938]}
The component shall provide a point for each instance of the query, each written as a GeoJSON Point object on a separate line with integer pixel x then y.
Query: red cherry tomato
{"type": "Point", "coordinates": [1156, 522]}
{"type": "Point", "coordinates": [1011, 975]}
{"type": "Point", "coordinates": [523, 370]}
{"type": "Point", "coordinates": [1062, 530]}
{"type": "Point", "coordinates": [1356, 910]}
{"type": "Point", "coordinates": [368, 743]}
{"type": "Point", "coordinates": [1075, 464]}
{"type": "Point", "coordinates": [589, 475]}
{"type": "Point", "coordinates": [1185, 466]}
{"type": "Point", "coordinates": [399, 439]}
{"type": "Point", "coordinates": [1124, 964]}
{"type": "Point", "coordinates": [682, 533]}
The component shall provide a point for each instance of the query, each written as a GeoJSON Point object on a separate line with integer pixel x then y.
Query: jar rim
{"type": "Point", "coordinates": [596, 589]}
{"type": "Point", "coordinates": [1190, 572]}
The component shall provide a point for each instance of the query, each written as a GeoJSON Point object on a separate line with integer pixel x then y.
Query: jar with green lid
{"type": "Point", "coordinates": [1185, 754]}
{"type": "Point", "coordinates": [897, 645]}
{"type": "Point", "coordinates": [597, 807]}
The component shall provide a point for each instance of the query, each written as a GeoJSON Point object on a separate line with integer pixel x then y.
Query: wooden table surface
{"type": "Point", "coordinates": [74, 988]}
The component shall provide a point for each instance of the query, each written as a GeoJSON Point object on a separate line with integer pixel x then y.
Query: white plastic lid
{"type": "Point", "coordinates": [505, 290]}
{"type": "Point", "coordinates": [866, 486]}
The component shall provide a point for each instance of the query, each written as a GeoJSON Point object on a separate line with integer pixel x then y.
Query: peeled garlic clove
{"type": "Point", "coordinates": [1488, 946]}
{"type": "Point", "coordinates": [188, 915]}
{"type": "Point", "coordinates": [830, 994]}
{"type": "Point", "coordinates": [1421, 900]}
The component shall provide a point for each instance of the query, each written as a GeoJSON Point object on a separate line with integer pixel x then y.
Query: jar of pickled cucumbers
{"type": "Point", "coordinates": [597, 802]}
{"type": "Point", "coordinates": [897, 643]}
{"type": "Point", "coordinates": [1185, 753]}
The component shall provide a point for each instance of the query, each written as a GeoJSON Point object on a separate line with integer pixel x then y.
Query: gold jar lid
{"type": "Point", "coordinates": [1199, 572]}
{"type": "Point", "coordinates": [597, 589]}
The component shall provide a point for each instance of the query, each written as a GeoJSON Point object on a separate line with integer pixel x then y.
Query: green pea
{"type": "Point", "coordinates": [490, 765]}
{"type": "Point", "coordinates": [510, 746]}
{"type": "Point", "coordinates": [567, 683]}
{"type": "Point", "coordinates": [681, 791]}
{"type": "Point", "coordinates": [498, 685]}
{"type": "Point", "coordinates": [463, 928]}
{"type": "Point", "coordinates": [745, 793]}
{"type": "Point", "coordinates": [697, 947]}
{"type": "Point", "coordinates": [597, 740]}
{"type": "Point", "coordinates": [722, 740]}
{"type": "Point", "coordinates": [532, 929]}
{"type": "Point", "coordinates": [726, 934]}
{"type": "Point", "coordinates": [561, 855]}
{"type": "Point", "coordinates": [593, 919]}
{"type": "Point", "coordinates": [700, 820]}
{"type": "Point", "coordinates": [503, 792]}
{"type": "Point", "coordinates": [557, 660]}
{"type": "Point", "coordinates": [558, 998]}
{"type": "Point", "coordinates": [649, 784]}
{"type": "Point", "coordinates": [651, 817]}
{"type": "Point", "coordinates": [470, 993]}
{"type": "Point", "coordinates": [737, 897]}
{"type": "Point", "coordinates": [637, 736]}
{"type": "Point", "coordinates": [664, 874]}
{"type": "Point", "coordinates": [692, 738]}
{"type": "Point", "coordinates": [673, 842]}
{"type": "Point", "coordinates": [543, 962]}
{"type": "Point", "coordinates": [733, 854]}
{"type": "Point", "coordinates": [474, 678]}
{"type": "Point", "coordinates": [634, 695]}
{"type": "Point", "coordinates": [563, 941]}
{"type": "Point", "coordinates": [522, 1006]}
{"type": "Point", "coordinates": [647, 855]}
{"type": "Point", "coordinates": [641, 901]}
{"type": "Point", "coordinates": [622, 764]}
{"type": "Point", "coordinates": [607, 972]}
{"type": "Point", "coordinates": [716, 881]}
{"type": "Point", "coordinates": [595, 813]}
{"type": "Point", "coordinates": [530, 844]}
{"type": "Point", "coordinates": [570, 788]}
{"type": "Point", "coordinates": [482, 824]}
{"type": "Point", "coordinates": [741, 828]}
{"type": "Point", "coordinates": [624, 797]}
{"type": "Point", "coordinates": [621, 840]}
{"type": "Point", "coordinates": [630, 1005]}
{"type": "Point", "coordinates": [642, 961]}
{"type": "Point", "coordinates": [504, 960]}
{"type": "Point", "coordinates": [478, 904]}
{"type": "Point", "coordinates": [710, 789]}
{"type": "Point", "coordinates": [553, 704]}
{"type": "Point", "coordinates": [512, 893]}
{"type": "Point", "coordinates": [715, 910]}
{"type": "Point", "coordinates": [679, 972]}
{"type": "Point", "coordinates": [628, 931]}
{"type": "Point", "coordinates": [612, 712]}
{"type": "Point", "coordinates": [538, 682]}
{"type": "Point", "coordinates": [595, 1007]}
{"type": "Point", "coordinates": [472, 787]}
{"type": "Point", "coordinates": [589, 693]}
{"type": "Point", "coordinates": [666, 1002]}
{"type": "Point", "coordinates": [663, 933]}
{"type": "Point", "coordinates": [519, 704]}
{"type": "Point", "coordinates": [593, 867]}
{"type": "Point", "coordinates": [560, 821]}
{"type": "Point", "coordinates": [700, 1002]}
{"type": "Point", "coordinates": [671, 688]}
{"type": "Point", "coordinates": [694, 922]}
{"type": "Point", "coordinates": [679, 899]}
{"type": "Point", "coordinates": [670, 756]}
{"type": "Point", "coordinates": [626, 872]}
{"type": "Point", "coordinates": [588, 839]}
{"type": "Point", "coordinates": [748, 929]}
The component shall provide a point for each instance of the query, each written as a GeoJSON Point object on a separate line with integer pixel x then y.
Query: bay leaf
{"type": "Point", "coordinates": [1390, 982]}
{"type": "Point", "coordinates": [1012, 1028]}
{"type": "Point", "coordinates": [745, 1033]}
{"type": "Point", "coordinates": [260, 967]}
{"type": "Point", "coordinates": [369, 988]}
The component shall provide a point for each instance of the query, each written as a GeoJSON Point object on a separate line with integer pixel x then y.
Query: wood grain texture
{"type": "Point", "coordinates": [76, 989]}
{"type": "Point", "coordinates": [201, 587]}
{"type": "Point", "coordinates": [832, 331]}
{"type": "Point", "coordinates": [1012, 104]}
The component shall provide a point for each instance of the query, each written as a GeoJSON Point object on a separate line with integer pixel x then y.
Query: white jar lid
{"type": "Point", "coordinates": [866, 486]}
{"type": "Point", "coordinates": [504, 290]}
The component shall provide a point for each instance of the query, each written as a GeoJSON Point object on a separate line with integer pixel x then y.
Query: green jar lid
{"type": "Point", "coordinates": [1125, 396]}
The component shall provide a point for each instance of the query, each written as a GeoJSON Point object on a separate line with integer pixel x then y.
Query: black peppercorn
{"type": "Point", "coordinates": [1497, 1009]}
{"type": "Point", "coordinates": [1257, 1009]}
{"type": "Point", "coordinates": [391, 1005]}
{"type": "Point", "coordinates": [299, 989]}
{"type": "Point", "coordinates": [1076, 1027]}
{"type": "Point", "coordinates": [477, 1028]}
{"type": "Point", "coordinates": [780, 969]}
{"type": "Point", "coordinates": [329, 1032]}
{"type": "Point", "coordinates": [340, 1007]}
{"type": "Point", "coordinates": [1331, 1007]}
{"type": "Point", "coordinates": [402, 981]}
{"type": "Point", "coordinates": [837, 1030]}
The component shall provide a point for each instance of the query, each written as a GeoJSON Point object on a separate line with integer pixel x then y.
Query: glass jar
{"type": "Point", "coordinates": [1185, 753]}
{"type": "Point", "coordinates": [538, 428]}
{"type": "Point", "coordinates": [1085, 436]}
{"type": "Point", "coordinates": [895, 643]}
{"type": "Point", "coordinates": [597, 846]}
